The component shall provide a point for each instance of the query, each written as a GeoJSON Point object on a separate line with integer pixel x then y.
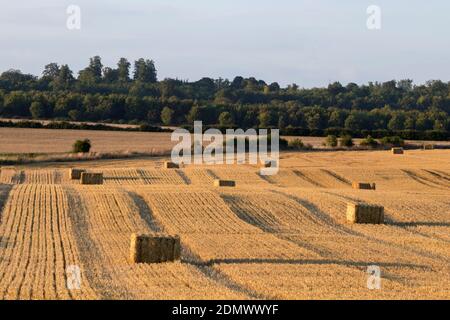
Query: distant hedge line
{"type": "Point", "coordinates": [75, 126]}
{"type": "Point", "coordinates": [432, 135]}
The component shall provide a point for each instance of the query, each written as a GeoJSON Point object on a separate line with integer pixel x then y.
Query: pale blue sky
{"type": "Point", "coordinates": [309, 42]}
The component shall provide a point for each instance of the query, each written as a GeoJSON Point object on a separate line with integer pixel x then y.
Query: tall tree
{"type": "Point", "coordinates": [123, 68]}
{"type": "Point", "coordinates": [64, 79]}
{"type": "Point", "coordinates": [110, 75]}
{"type": "Point", "coordinates": [145, 71]}
{"type": "Point", "coordinates": [51, 71]}
{"type": "Point", "coordinates": [96, 67]}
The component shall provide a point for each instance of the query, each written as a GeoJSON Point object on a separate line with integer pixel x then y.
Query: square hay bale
{"type": "Point", "coordinates": [91, 178]}
{"type": "Point", "coordinates": [171, 165]}
{"type": "Point", "coordinates": [365, 213]}
{"type": "Point", "coordinates": [75, 174]}
{"type": "Point", "coordinates": [224, 183]}
{"type": "Point", "coordinates": [428, 147]}
{"type": "Point", "coordinates": [364, 186]}
{"type": "Point", "coordinates": [154, 248]}
{"type": "Point", "coordinates": [397, 151]}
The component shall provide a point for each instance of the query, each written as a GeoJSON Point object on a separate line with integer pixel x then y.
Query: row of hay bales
{"type": "Point", "coordinates": [216, 183]}
{"type": "Point", "coordinates": [159, 248]}
{"type": "Point", "coordinates": [364, 213]}
{"type": "Point", "coordinates": [162, 248]}
{"type": "Point", "coordinates": [85, 177]}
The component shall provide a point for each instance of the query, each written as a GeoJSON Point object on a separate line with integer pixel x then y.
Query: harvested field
{"type": "Point", "coordinates": [28, 140]}
{"type": "Point", "coordinates": [24, 140]}
{"type": "Point", "coordinates": [270, 237]}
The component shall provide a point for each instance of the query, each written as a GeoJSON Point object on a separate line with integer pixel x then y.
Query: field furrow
{"type": "Point", "coordinates": [37, 245]}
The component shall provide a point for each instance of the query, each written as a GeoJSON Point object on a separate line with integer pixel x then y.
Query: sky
{"type": "Point", "coordinates": [307, 42]}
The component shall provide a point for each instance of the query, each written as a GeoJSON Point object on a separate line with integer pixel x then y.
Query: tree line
{"type": "Point", "coordinates": [132, 93]}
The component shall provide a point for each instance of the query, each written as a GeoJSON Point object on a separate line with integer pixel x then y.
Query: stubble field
{"type": "Point", "coordinates": [270, 237]}
{"type": "Point", "coordinates": [27, 140]}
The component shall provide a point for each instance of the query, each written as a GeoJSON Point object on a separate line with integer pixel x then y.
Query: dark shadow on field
{"type": "Point", "coordinates": [212, 174]}
{"type": "Point", "coordinates": [320, 215]}
{"type": "Point", "coordinates": [423, 180]}
{"type": "Point", "coordinates": [4, 242]}
{"type": "Point", "coordinates": [302, 176]}
{"type": "Point", "coordinates": [305, 262]}
{"type": "Point", "coordinates": [337, 177]}
{"type": "Point", "coordinates": [440, 176]}
{"type": "Point", "coordinates": [145, 212]}
{"type": "Point", "coordinates": [273, 225]}
{"type": "Point", "coordinates": [184, 177]}
{"type": "Point", "coordinates": [188, 254]}
{"type": "Point", "coordinates": [121, 178]}
{"type": "Point", "coordinates": [5, 190]}
{"type": "Point", "coordinates": [420, 224]}
{"type": "Point", "coordinates": [328, 257]}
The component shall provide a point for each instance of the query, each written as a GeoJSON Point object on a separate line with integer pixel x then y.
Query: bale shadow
{"type": "Point", "coordinates": [121, 178]}
{"type": "Point", "coordinates": [307, 262]}
{"type": "Point", "coordinates": [420, 224]}
{"type": "Point", "coordinates": [5, 190]}
{"type": "Point", "coordinates": [188, 256]}
{"type": "Point", "coordinates": [184, 177]}
{"type": "Point", "coordinates": [4, 242]}
{"type": "Point", "coordinates": [145, 212]}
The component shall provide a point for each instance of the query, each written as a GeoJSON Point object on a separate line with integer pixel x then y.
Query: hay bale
{"type": "Point", "coordinates": [171, 165]}
{"type": "Point", "coordinates": [224, 183]}
{"type": "Point", "coordinates": [364, 186]}
{"type": "Point", "coordinates": [75, 174]}
{"type": "Point", "coordinates": [365, 213]}
{"type": "Point", "coordinates": [397, 151]}
{"type": "Point", "coordinates": [154, 248]}
{"type": "Point", "coordinates": [91, 178]}
{"type": "Point", "coordinates": [428, 147]}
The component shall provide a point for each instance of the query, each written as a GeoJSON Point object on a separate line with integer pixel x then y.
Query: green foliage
{"type": "Point", "coordinates": [394, 141]}
{"type": "Point", "coordinates": [74, 115]}
{"type": "Point", "coordinates": [226, 120]}
{"type": "Point", "coordinates": [296, 144]}
{"type": "Point", "coordinates": [100, 93]}
{"type": "Point", "coordinates": [193, 115]}
{"type": "Point", "coordinates": [331, 141]}
{"type": "Point", "coordinates": [369, 142]}
{"type": "Point", "coordinates": [346, 141]}
{"type": "Point", "coordinates": [123, 70]}
{"type": "Point", "coordinates": [37, 110]}
{"type": "Point", "coordinates": [265, 119]}
{"type": "Point", "coordinates": [145, 71]}
{"type": "Point", "coordinates": [83, 146]}
{"type": "Point", "coordinates": [166, 116]}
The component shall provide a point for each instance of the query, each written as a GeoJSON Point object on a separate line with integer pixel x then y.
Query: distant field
{"type": "Point", "coordinates": [274, 237]}
{"type": "Point", "coordinates": [25, 140]}
{"type": "Point", "coordinates": [44, 122]}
